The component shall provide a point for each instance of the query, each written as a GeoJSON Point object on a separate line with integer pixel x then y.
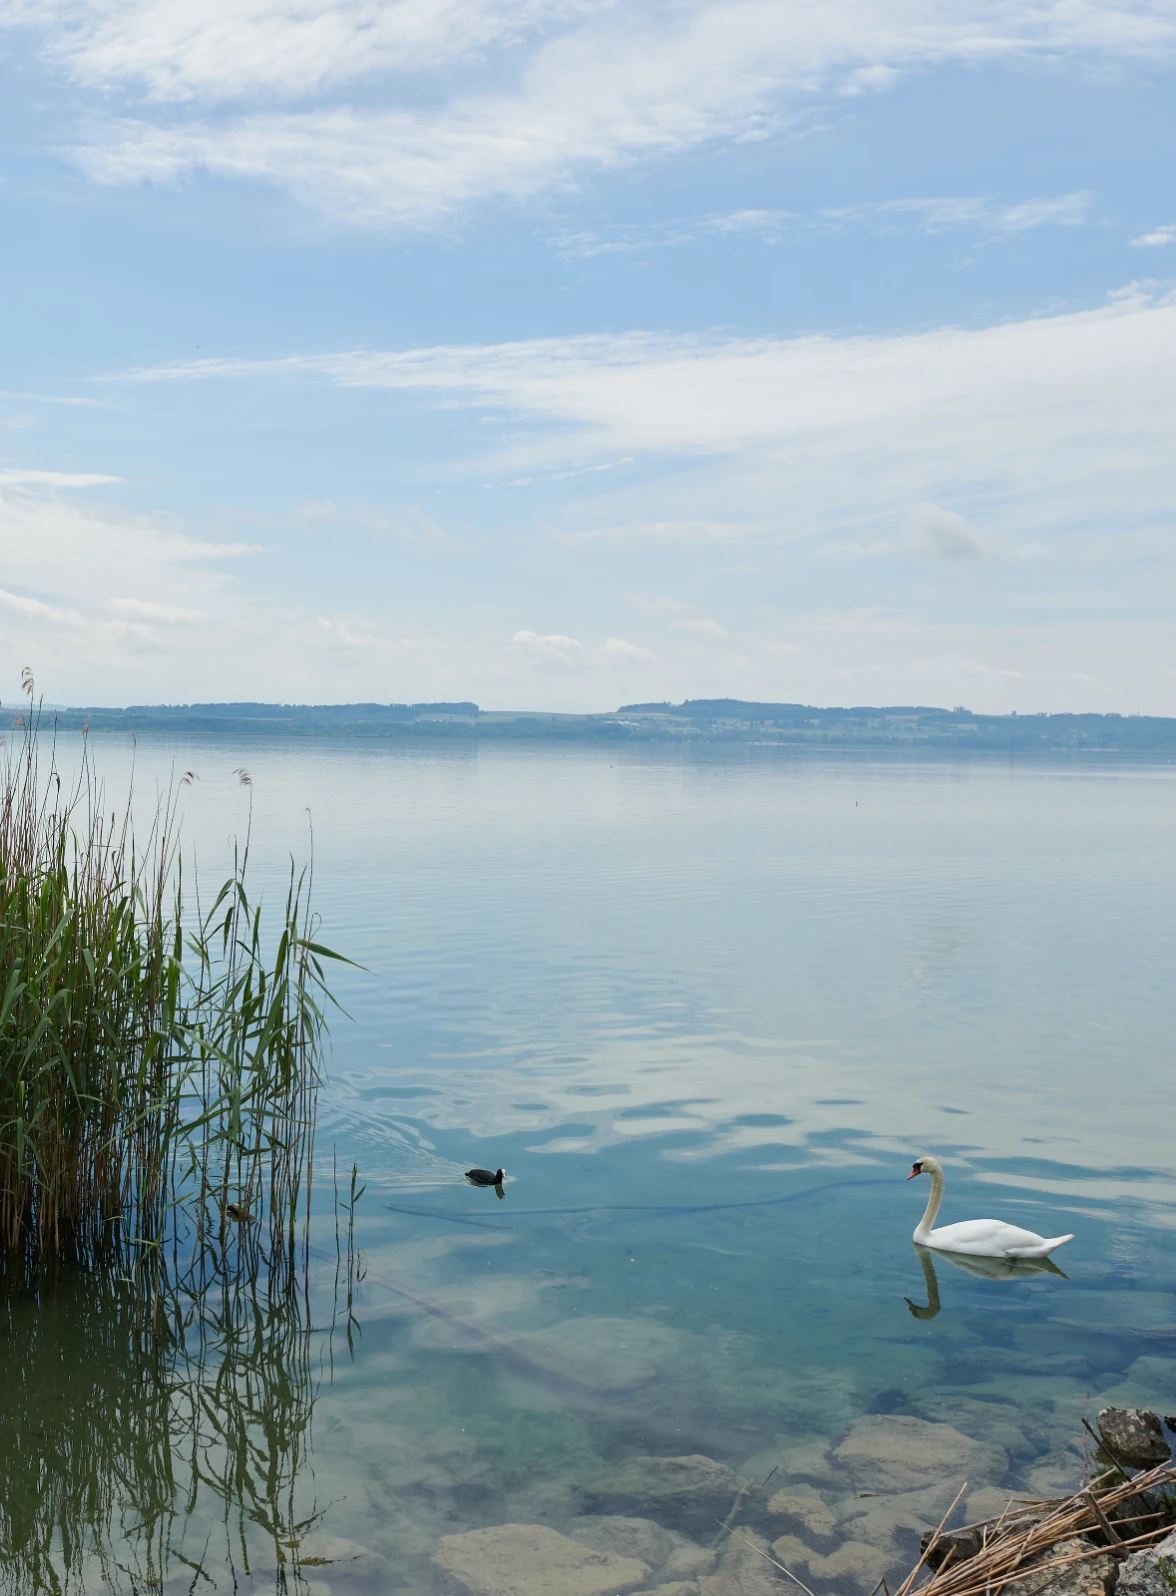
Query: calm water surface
{"type": "Point", "coordinates": [705, 1007]}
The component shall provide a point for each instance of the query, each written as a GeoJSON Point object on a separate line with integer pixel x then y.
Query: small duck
{"type": "Point", "coordinates": [236, 1212]}
{"type": "Point", "coordinates": [485, 1177]}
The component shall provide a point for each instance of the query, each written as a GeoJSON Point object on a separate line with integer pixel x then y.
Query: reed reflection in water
{"type": "Point", "coordinates": [170, 1451]}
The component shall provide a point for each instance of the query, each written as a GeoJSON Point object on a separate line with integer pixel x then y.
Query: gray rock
{"type": "Point", "coordinates": [1149, 1573]}
{"type": "Point", "coordinates": [623, 1537]}
{"type": "Point", "coordinates": [531, 1560]}
{"type": "Point", "coordinates": [1133, 1436]}
{"type": "Point", "coordinates": [958, 1545]}
{"type": "Point", "coordinates": [879, 1520]}
{"type": "Point", "coordinates": [687, 1560]}
{"type": "Point", "coordinates": [682, 1493]}
{"type": "Point", "coordinates": [1093, 1576]}
{"type": "Point", "coordinates": [804, 1507]}
{"type": "Point", "coordinates": [894, 1453]}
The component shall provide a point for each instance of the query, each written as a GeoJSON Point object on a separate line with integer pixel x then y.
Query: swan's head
{"type": "Point", "coordinates": [925, 1166]}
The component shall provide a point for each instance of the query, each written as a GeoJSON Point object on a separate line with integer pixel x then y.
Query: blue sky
{"type": "Point", "coordinates": [560, 353]}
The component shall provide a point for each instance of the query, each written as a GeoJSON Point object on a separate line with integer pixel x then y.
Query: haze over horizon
{"type": "Point", "coordinates": [560, 354]}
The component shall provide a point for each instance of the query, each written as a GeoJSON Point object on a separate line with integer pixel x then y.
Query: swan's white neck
{"type": "Point", "coordinates": [923, 1228]}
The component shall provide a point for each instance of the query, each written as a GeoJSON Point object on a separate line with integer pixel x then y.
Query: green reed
{"type": "Point", "coordinates": [159, 1060]}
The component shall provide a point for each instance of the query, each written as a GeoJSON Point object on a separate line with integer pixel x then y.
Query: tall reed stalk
{"type": "Point", "coordinates": [156, 1060]}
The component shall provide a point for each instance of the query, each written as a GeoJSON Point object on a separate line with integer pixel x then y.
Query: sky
{"type": "Point", "coordinates": [561, 354]}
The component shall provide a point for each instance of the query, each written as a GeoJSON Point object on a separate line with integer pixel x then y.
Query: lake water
{"type": "Point", "coordinates": [705, 1006]}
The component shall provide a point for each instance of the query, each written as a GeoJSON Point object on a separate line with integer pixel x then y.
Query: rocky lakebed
{"type": "Point", "coordinates": [842, 1516]}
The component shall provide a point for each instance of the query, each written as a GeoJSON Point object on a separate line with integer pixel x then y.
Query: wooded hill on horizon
{"type": "Point", "coordinates": [694, 720]}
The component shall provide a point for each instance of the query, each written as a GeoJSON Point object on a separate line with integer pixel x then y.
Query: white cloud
{"type": "Point", "coordinates": [700, 623]}
{"type": "Point", "coordinates": [617, 85]}
{"type": "Point", "coordinates": [146, 610]}
{"type": "Point", "coordinates": [17, 604]}
{"type": "Point", "coordinates": [554, 649]}
{"type": "Point", "coordinates": [943, 535]}
{"type": "Point", "coordinates": [90, 603]}
{"type": "Point", "coordinates": [927, 216]}
{"type": "Point", "coordinates": [960, 665]}
{"type": "Point", "coordinates": [1156, 239]}
{"type": "Point", "coordinates": [767, 223]}
{"type": "Point", "coordinates": [946, 215]}
{"type": "Point", "coordinates": [110, 608]}
{"type": "Point", "coordinates": [52, 479]}
{"type": "Point", "coordinates": [617, 651]}
{"type": "Point", "coordinates": [678, 615]}
{"type": "Point", "coordinates": [238, 49]}
{"type": "Point", "coordinates": [1084, 384]}
{"type": "Point", "coordinates": [551, 648]}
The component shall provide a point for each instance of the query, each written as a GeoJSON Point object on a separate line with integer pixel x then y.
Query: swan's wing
{"type": "Point", "coordinates": [992, 1238]}
{"type": "Point", "coordinates": [970, 1231]}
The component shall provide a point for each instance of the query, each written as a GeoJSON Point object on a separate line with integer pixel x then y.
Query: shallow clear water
{"type": "Point", "coordinates": [705, 1006]}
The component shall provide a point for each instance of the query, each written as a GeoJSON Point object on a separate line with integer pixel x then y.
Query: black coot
{"type": "Point", "coordinates": [485, 1177]}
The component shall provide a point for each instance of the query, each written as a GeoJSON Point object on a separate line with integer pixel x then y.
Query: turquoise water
{"type": "Point", "coordinates": [705, 1006]}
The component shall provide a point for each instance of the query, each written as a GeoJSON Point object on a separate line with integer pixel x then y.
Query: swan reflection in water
{"type": "Point", "coordinates": [985, 1268]}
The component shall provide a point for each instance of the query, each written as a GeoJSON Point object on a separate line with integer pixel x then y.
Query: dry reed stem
{"type": "Point", "coordinates": [1007, 1558]}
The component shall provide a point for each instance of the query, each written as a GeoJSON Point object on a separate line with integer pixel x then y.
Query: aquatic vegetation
{"type": "Point", "coordinates": [129, 1459]}
{"type": "Point", "coordinates": [159, 1059]}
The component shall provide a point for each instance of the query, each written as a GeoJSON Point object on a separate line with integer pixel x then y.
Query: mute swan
{"type": "Point", "coordinates": [984, 1238]}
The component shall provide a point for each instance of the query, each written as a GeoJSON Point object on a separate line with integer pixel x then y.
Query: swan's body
{"type": "Point", "coordinates": [983, 1238]}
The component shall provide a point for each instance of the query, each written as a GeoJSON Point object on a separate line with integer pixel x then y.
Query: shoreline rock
{"type": "Point", "coordinates": [1151, 1572]}
{"type": "Point", "coordinates": [1133, 1436]}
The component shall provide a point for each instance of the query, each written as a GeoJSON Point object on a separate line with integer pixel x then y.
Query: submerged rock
{"type": "Point", "coordinates": [889, 1452]}
{"type": "Point", "coordinates": [878, 1519]}
{"type": "Point", "coordinates": [1151, 1572]}
{"type": "Point", "coordinates": [991, 1501]}
{"type": "Point", "coordinates": [1133, 1436]}
{"type": "Point", "coordinates": [680, 1492]}
{"type": "Point", "coordinates": [743, 1568]}
{"type": "Point", "coordinates": [853, 1560]}
{"type": "Point", "coordinates": [802, 1505]}
{"type": "Point", "coordinates": [805, 1458]}
{"type": "Point", "coordinates": [687, 1560]}
{"type": "Point", "coordinates": [531, 1560]}
{"type": "Point", "coordinates": [604, 1354]}
{"type": "Point", "coordinates": [1058, 1473]}
{"type": "Point", "coordinates": [623, 1537]}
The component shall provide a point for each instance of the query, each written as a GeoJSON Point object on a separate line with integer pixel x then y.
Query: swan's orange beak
{"type": "Point", "coordinates": [914, 1172]}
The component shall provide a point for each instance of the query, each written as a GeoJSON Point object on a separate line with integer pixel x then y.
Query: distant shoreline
{"type": "Point", "coordinates": [913, 728]}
